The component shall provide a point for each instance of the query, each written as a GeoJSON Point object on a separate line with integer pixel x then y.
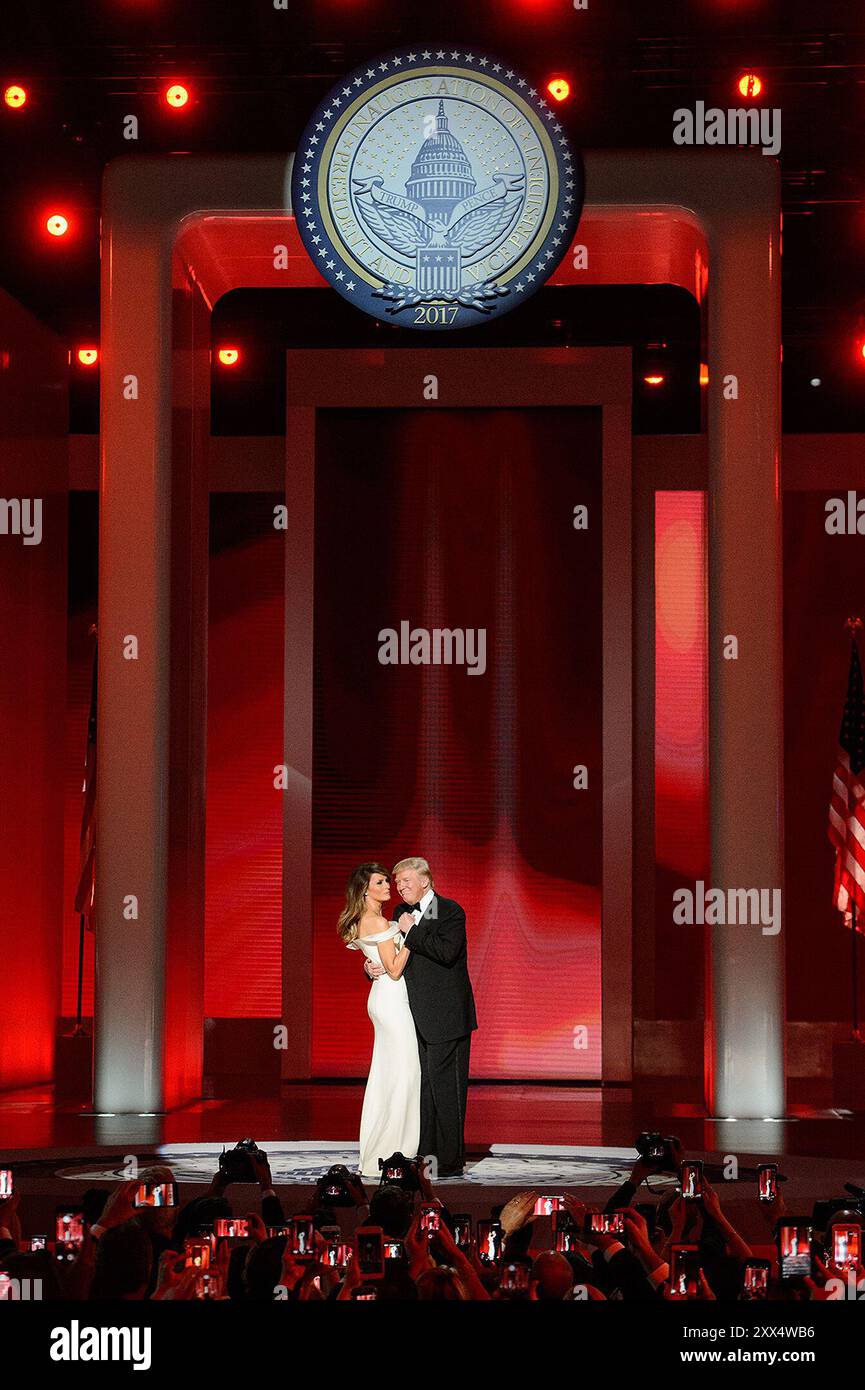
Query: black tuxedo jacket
{"type": "Point", "coordinates": [437, 975]}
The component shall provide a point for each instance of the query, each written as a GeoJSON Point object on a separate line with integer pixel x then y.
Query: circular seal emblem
{"type": "Point", "coordinates": [435, 188]}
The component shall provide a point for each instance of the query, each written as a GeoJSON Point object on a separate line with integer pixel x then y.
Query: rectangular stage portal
{"type": "Point", "coordinates": [457, 686]}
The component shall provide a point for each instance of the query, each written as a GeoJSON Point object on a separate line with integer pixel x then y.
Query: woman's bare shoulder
{"type": "Point", "coordinates": [387, 933]}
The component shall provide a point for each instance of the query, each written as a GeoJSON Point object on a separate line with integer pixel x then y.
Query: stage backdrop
{"type": "Point", "coordinates": [464, 520]}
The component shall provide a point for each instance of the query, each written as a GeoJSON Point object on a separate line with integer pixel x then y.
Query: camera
{"type": "Point", "coordinates": [334, 1188]}
{"type": "Point", "coordinates": [823, 1212]}
{"type": "Point", "coordinates": [236, 1164]}
{"type": "Point", "coordinates": [399, 1171]}
{"type": "Point", "coordinates": [657, 1150]}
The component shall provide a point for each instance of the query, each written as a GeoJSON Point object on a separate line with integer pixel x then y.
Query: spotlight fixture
{"type": "Point", "coordinates": [228, 356]}
{"type": "Point", "coordinates": [56, 224]}
{"type": "Point", "coordinates": [176, 96]}
{"type": "Point", "coordinates": [750, 85]}
{"type": "Point", "coordinates": [15, 97]}
{"type": "Point", "coordinates": [87, 356]}
{"type": "Point", "coordinates": [559, 88]}
{"type": "Point", "coordinates": [655, 379]}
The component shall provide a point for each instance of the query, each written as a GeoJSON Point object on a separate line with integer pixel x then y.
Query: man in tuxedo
{"type": "Point", "coordinates": [443, 1007]}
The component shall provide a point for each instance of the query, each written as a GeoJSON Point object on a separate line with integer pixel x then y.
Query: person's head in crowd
{"type": "Point", "coordinates": [724, 1275]}
{"type": "Point", "coordinates": [235, 1277]}
{"type": "Point", "coordinates": [711, 1240]}
{"type": "Point", "coordinates": [397, 1284]}
{"type": "Point", "coordinates": [664, 1216]}
{"type": "Point", "coordinates": [329, 1280]}
{"type": "Point", "coordinates": [392, 1208]}
{"type": "Point", "coordinates": [582, 1269]}
{"type": "Point", "coordinates": [124, 1261]}
{"type": "Point", "coordinates": [263, 1268]}
{"type": "Point", "coordinates": [93, 1204]}
{"type": "Point", "coordinates": [519, 1242]}
{"type": "Point", "coordinates": [34, 1265]}
{"type": "Point", "coordinates": [201, 1211]}
{"type": "Point", "coordinates": [322, 1217]}
{"type": "Point", "coordinates": [441, 1284]}
{"type": "Point", "coordinates": [552, 1277]}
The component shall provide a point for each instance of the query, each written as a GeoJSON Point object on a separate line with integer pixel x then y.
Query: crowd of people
{"type": "Point", "coordinates": [400, 1241]}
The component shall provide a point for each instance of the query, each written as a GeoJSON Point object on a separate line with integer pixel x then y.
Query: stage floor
{"type": "Point", "coordinates": [498, 1114]}
{"type": "Point", "coordinates": [522, 1136]}
{"type": "Point", "coordinates": [501, 1118]}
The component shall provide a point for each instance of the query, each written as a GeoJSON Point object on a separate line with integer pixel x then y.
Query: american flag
{"type": "Point", "coordinates": [847, 807]}
{"type": "Point", "coordinates": [85, 894]}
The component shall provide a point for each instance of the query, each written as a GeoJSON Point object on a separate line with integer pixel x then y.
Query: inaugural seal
{"type": "Point", "coordinates": [436, 188]}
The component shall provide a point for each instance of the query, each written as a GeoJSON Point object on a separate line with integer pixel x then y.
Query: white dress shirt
{"type": "Point", "coordinates": [422, 906]}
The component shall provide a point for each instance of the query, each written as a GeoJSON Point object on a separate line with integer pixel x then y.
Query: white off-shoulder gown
{"type": "Point", "coordinates": [390, 1120]}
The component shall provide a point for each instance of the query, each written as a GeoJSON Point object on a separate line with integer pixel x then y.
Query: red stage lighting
{"type": "Point", "coordinates": [176, 96]}
{"type": "Point", "coordinates": [559, 88]}
{"type": "Point", "coordinates": [750, 85]}
{"type": "Point", "coordinates": [228, 356]}
{"type": "Point", "coordinates": [704, 374]}
{"type": "Point", "coordinates": [655, 379]}
{"type": "Point", "coordinates": [87, 356]}
{"type": "Point", "coordinates": [56, 224]}
{"type": "Point", "coordinates": [15, 97]}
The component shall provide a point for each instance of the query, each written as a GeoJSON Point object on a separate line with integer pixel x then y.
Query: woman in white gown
{"type": "Point", "coordinates": [390, 1120]}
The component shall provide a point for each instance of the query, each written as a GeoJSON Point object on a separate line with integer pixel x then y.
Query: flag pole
{"type": "Point", "coordinates": [79, 1028]}
{"type": "Point", "coordinates": [855, 974]}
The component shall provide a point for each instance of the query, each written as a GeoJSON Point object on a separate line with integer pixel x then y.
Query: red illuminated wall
{"type": "Point", "coordinates": [79, 674]}
{"type": "Point", "coordinates": [464, 519]}
{"type": "Point", "coordinates": [681, 742]}
{"type": "Point", "coordinates": [243, 922]}
{"type": "Point", "coordinates": [33, 466]}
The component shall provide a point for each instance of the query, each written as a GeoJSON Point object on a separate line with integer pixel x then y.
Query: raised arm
{"type": "Point", "coordinates": [442, 939]}
{"type": "Point", "coordinates": [394, 961]}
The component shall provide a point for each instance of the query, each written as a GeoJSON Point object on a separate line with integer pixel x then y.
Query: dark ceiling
{"type": "Point", "coordinates": [256, 73]}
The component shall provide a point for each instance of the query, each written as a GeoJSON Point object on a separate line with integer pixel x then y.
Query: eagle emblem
{"type": "Point", "coordinates": [444, 223]}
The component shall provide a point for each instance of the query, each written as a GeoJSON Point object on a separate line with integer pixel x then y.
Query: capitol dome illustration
{"type": "Point", "coordinates": [441, 175]}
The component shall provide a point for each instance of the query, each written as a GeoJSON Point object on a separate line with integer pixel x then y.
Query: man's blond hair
{"type": "Point", "coordinates": [419, 865]}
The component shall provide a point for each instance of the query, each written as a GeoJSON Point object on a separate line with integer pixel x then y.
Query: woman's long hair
{"type": "Point", "coordinates": [354, 899]}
